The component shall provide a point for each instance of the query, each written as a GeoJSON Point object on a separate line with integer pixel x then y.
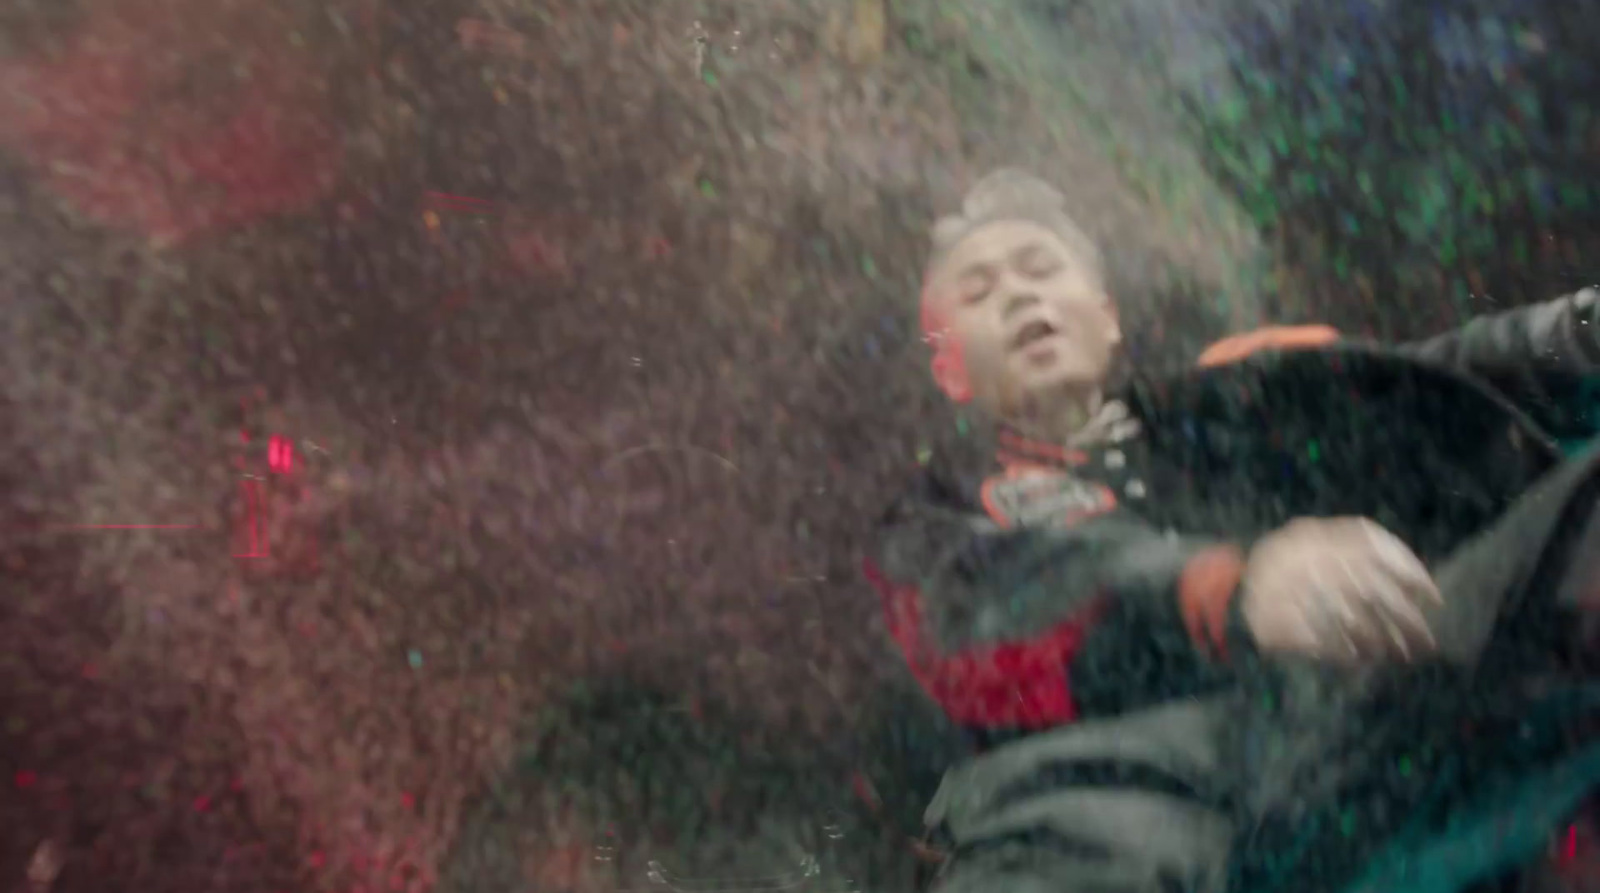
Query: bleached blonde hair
{"type": "Point", "coordinates": [1012, 194]}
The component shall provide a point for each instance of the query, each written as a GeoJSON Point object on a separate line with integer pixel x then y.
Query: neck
{"type": "Point", "coordinates": [1056, 417]}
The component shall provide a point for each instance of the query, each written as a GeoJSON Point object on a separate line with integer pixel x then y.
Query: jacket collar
{"type": "Point", "coordinates": [1114, 423]}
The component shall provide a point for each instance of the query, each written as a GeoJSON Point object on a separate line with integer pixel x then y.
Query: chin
{"type": "Point", "coordinates": [1065, 378]}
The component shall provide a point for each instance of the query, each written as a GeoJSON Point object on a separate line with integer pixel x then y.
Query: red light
{"type": "Point", "coordinates": [280, 454]}
{"type": "Point", "coordinates": [252, 510]}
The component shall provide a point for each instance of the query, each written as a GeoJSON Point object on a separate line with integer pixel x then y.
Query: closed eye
{"type": "Point", "coordinates": [1035, 262]}
{"type": "Point", "coordinates": [976, 285]}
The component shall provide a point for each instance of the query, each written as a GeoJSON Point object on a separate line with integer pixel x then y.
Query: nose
{"type": "Point", "coordinates": [1017, 303]}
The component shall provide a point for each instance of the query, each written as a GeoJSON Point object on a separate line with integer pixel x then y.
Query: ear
{"type": "Point", "coordinates": [950, 371]}
{"type": "Point", "coordinates": [1113, 323]}
{"type": "Point", "coordinates": [948, 366]}
{"type": "Point", "coordinates": [1113, 331]}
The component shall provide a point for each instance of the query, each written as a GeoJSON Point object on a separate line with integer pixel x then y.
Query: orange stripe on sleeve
{"type": "Point", "coordinates": [1205, 589]}
{"type": "Point", "coordinates": [1236, 348]}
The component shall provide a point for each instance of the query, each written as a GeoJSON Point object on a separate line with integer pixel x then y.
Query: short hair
{"type": "Point", "coordinates": [1012, 194]}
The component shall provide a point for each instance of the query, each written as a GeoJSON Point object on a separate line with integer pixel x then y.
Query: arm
{"type": "Point", "coordinates": [1545, 356]}
{"type": "Point", "coordinates": [1561, 335]}
{"type": "Point", "coordinates": [988, 618]}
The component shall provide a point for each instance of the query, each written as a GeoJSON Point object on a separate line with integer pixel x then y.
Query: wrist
{"type": "Point", "coordinates": [1207, 597]}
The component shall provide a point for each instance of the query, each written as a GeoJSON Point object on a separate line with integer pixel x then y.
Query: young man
{"type": "Point", "coordinates": [1081, 598]}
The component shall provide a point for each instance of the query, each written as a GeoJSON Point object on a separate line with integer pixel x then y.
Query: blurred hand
{"type": "Point", "coordinates": [1338, 589]}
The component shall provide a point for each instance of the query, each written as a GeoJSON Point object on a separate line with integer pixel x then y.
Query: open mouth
{"type": "Point", "coordinates": [1031, 334]}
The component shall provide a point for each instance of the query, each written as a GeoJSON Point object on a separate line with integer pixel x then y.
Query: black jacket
{"type": "Point", "coordinates": [1036, 591]}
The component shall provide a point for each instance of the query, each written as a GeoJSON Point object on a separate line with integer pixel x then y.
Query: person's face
{"type": "Point", "coordinates": [1014, 315]}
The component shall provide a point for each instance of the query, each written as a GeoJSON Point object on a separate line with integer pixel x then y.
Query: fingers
{"type": "Point", "coordinates": [1387, 625]}
{"type": "Point", "coordinates": [1386, 605]}
{"type": "Point", "coordinates": [1401, 563]}
{"type": "Point", "coordinates": [1343, 623]}
{"type": "Point", "coordinates": [1406, 626]}
{"type": "Point", "coordinates": [1410, 592]}
{"type": "Point", "coordinates": [1364, 607]}
{"type": "Point", "coordinates": [1342, 589]}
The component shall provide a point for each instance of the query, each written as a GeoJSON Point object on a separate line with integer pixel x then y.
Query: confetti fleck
{"type": "Point", "coordinates": [414, 658]}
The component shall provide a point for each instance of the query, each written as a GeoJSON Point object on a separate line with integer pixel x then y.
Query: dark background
{"type": "Point", "coordinates": [590, 324]}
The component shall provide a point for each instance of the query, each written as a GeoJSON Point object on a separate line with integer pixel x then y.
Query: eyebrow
{"type": "Point", "coordinates": [1026, 252]}
{"type": "Point", "coordinates": [1014, 258]}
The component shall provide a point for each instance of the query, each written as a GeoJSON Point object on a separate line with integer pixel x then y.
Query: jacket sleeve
{"type": "Point", "coordinates": [988, 616]}
{"type": "Point", "coordinates": [1544, 356]}
{"type": "Point", "coordinates": [1559, 335]}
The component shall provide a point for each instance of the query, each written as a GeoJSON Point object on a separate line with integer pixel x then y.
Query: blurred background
{"type": "Point", "coordinates": [437, 439]}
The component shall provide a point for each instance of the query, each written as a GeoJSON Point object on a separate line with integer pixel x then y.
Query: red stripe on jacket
{"type": "Point", "coordinates": [1010, 685]}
